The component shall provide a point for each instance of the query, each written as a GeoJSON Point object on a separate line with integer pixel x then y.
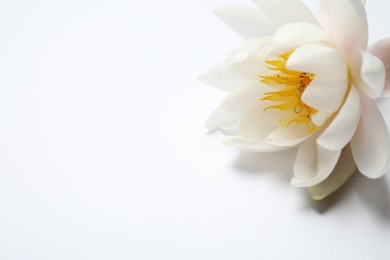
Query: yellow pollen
{"type": "Point", "coordinates": [289, 85]}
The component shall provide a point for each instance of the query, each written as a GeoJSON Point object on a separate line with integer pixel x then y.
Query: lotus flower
{"type": "Point", "coordinates": [306, 82]}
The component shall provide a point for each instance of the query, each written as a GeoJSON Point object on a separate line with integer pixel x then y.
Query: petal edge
{"type": "Point", "coordinates": [344, 169]}
{"type": "Point", "coordinates": [246, 21]}
{"type": "Point", "coordinates": [371, 143]}
{"type": "Point", "coordinates": [382, 50]}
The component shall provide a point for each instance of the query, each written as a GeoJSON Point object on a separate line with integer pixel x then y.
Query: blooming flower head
{"type": "Point", "coordinates": [306, 82]}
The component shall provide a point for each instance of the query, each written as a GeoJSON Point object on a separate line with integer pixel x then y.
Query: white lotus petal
{"type": "Point", "coordinates": [371, 143]}
{"type": "Point", "coordinates": [338, 134]}
{"type": "Point", "coordinates": [305, 166]}
{"type": "Point", "coordinates": [324, 94]}
{"type": "Point", "coordinates": [256, 124]}
{"type": "Point", "coordinates": [320, 118]}
{"type": "Point", "coordinates": [239, 100]}
{"type": "Point", "coordinates": [243, 60]}
{"type": "Point", "coordinates": [253, 146]}
{"type": "Point", "coordinates": [288, 136]}
{"type": "Point", "coordinates": [313, 164]}
{"type": "Point", "coordinates": [218, 118]}
{"type": "Point", "coordinates": [246, 21]}
{"type": "Point", "coordinates": [382, 51]}
{"type": "Point", "coordinates": [286, 11]}
{"type": "Point", "coordinates": [318, 59]}
{"type": "Point", "coordinates": [294, 35]}
{"type": "Point", "coordinates": [348, 25]}
{"type": "Point", "coordinates": [373, 75]}
{"type": "Point", "coordinates": [344, 169]}
{"type": "Point", "coordinates": [327, 90]}
{"type": "Point", "coordinates": [323, 15]}
{"type": "Point", "coordinates": [248, 67]}
{"type": "Point", "coordinates": [222, 78]}
{"type": "Point", "coordinates": [327, 160]}
{"type": "Point", "coordinates": [230, 127]}
{"type": "Point", "coordinates": [248, 46]}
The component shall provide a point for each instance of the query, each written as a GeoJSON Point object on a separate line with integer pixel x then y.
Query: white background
{"type": "Point", "coordinates": [103, 154]}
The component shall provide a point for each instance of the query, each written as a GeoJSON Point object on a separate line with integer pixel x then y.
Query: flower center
{"type": "Point", "coordinates": [289, 85]}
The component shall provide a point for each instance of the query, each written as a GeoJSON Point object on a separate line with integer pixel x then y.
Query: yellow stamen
{"type": "Point", "coordinates": [289, 85]}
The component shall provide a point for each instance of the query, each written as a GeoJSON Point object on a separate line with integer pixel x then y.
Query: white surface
{"type": "Point", "coordinates": [103, 154]}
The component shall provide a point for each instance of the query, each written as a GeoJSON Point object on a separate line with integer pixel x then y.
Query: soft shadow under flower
{"type": "Point", "coordinates": [374, 194]}
{"type": "Point", "coordinates": [279, 163]}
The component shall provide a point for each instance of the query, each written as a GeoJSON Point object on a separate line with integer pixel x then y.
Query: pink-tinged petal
{"type": "Point", "coordinates": [340, 131]}
{"type": "Point", "coordinates": [246, 21]}
{"type": "Point", "coordinates": [222, 78]}
{"type": "Point", "coordinates": [382, 51]}
{"type": "Point", "coordinates": [344, 169]}
{"type": "Point", "coordinates": [286, 11]}
{"type": "Point", "coordinates": [371, 79]}
{"type": "Point", "coordinates": [219, 118]}
{"type": "Point", "coordinates": [371, 142]}
{"type": "Point", "coordinates": [249, 145]}
{"type": "Point", "coordinates": [348, 25]}
{"type": "Point", "coordinates": [327, 90]}
{"type": "Point", "coordinates": [313, 164]}
{"type": "Point", "coordinates": [323, 15]}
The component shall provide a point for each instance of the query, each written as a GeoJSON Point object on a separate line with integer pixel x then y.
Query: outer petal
{"type": "Point", "coordinates": [371, 143]}
{"type": "Point", "coordinates": [230, 128]}
{"type": "Point", "coordinates": [233, 107]}
{"type": "Point", "coordinates": [348, 25]}
{"type": "Point", "coordinates": [218, 118]}
{"type": "Point", "coordinates": [323, 15]}
{"type": "Point", "coordinates": [238, 101]}
{"type": "Point", "coordinates": [246, 21]}
{"type": "Point", "coordinates": [338, 134]}
{"type": "Point", "coordinates": [253, 145]}
{"type": "Point", "coordinates": [313, 164]}
{"type": "Point", "coordinates": [371, 75]}
{"type": "Point", "coordinates": [243, 59]}
{"type": "Point", "coordinates": [327, 90]}
{"type": "Point", "coordinates": [221, 77]}
{"type": "Point", "coordinates": [286, 11]}
{"type": "Point", "coordinates": [344, 169]}
{"type": "Point", "coordinates": [382, 51]}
